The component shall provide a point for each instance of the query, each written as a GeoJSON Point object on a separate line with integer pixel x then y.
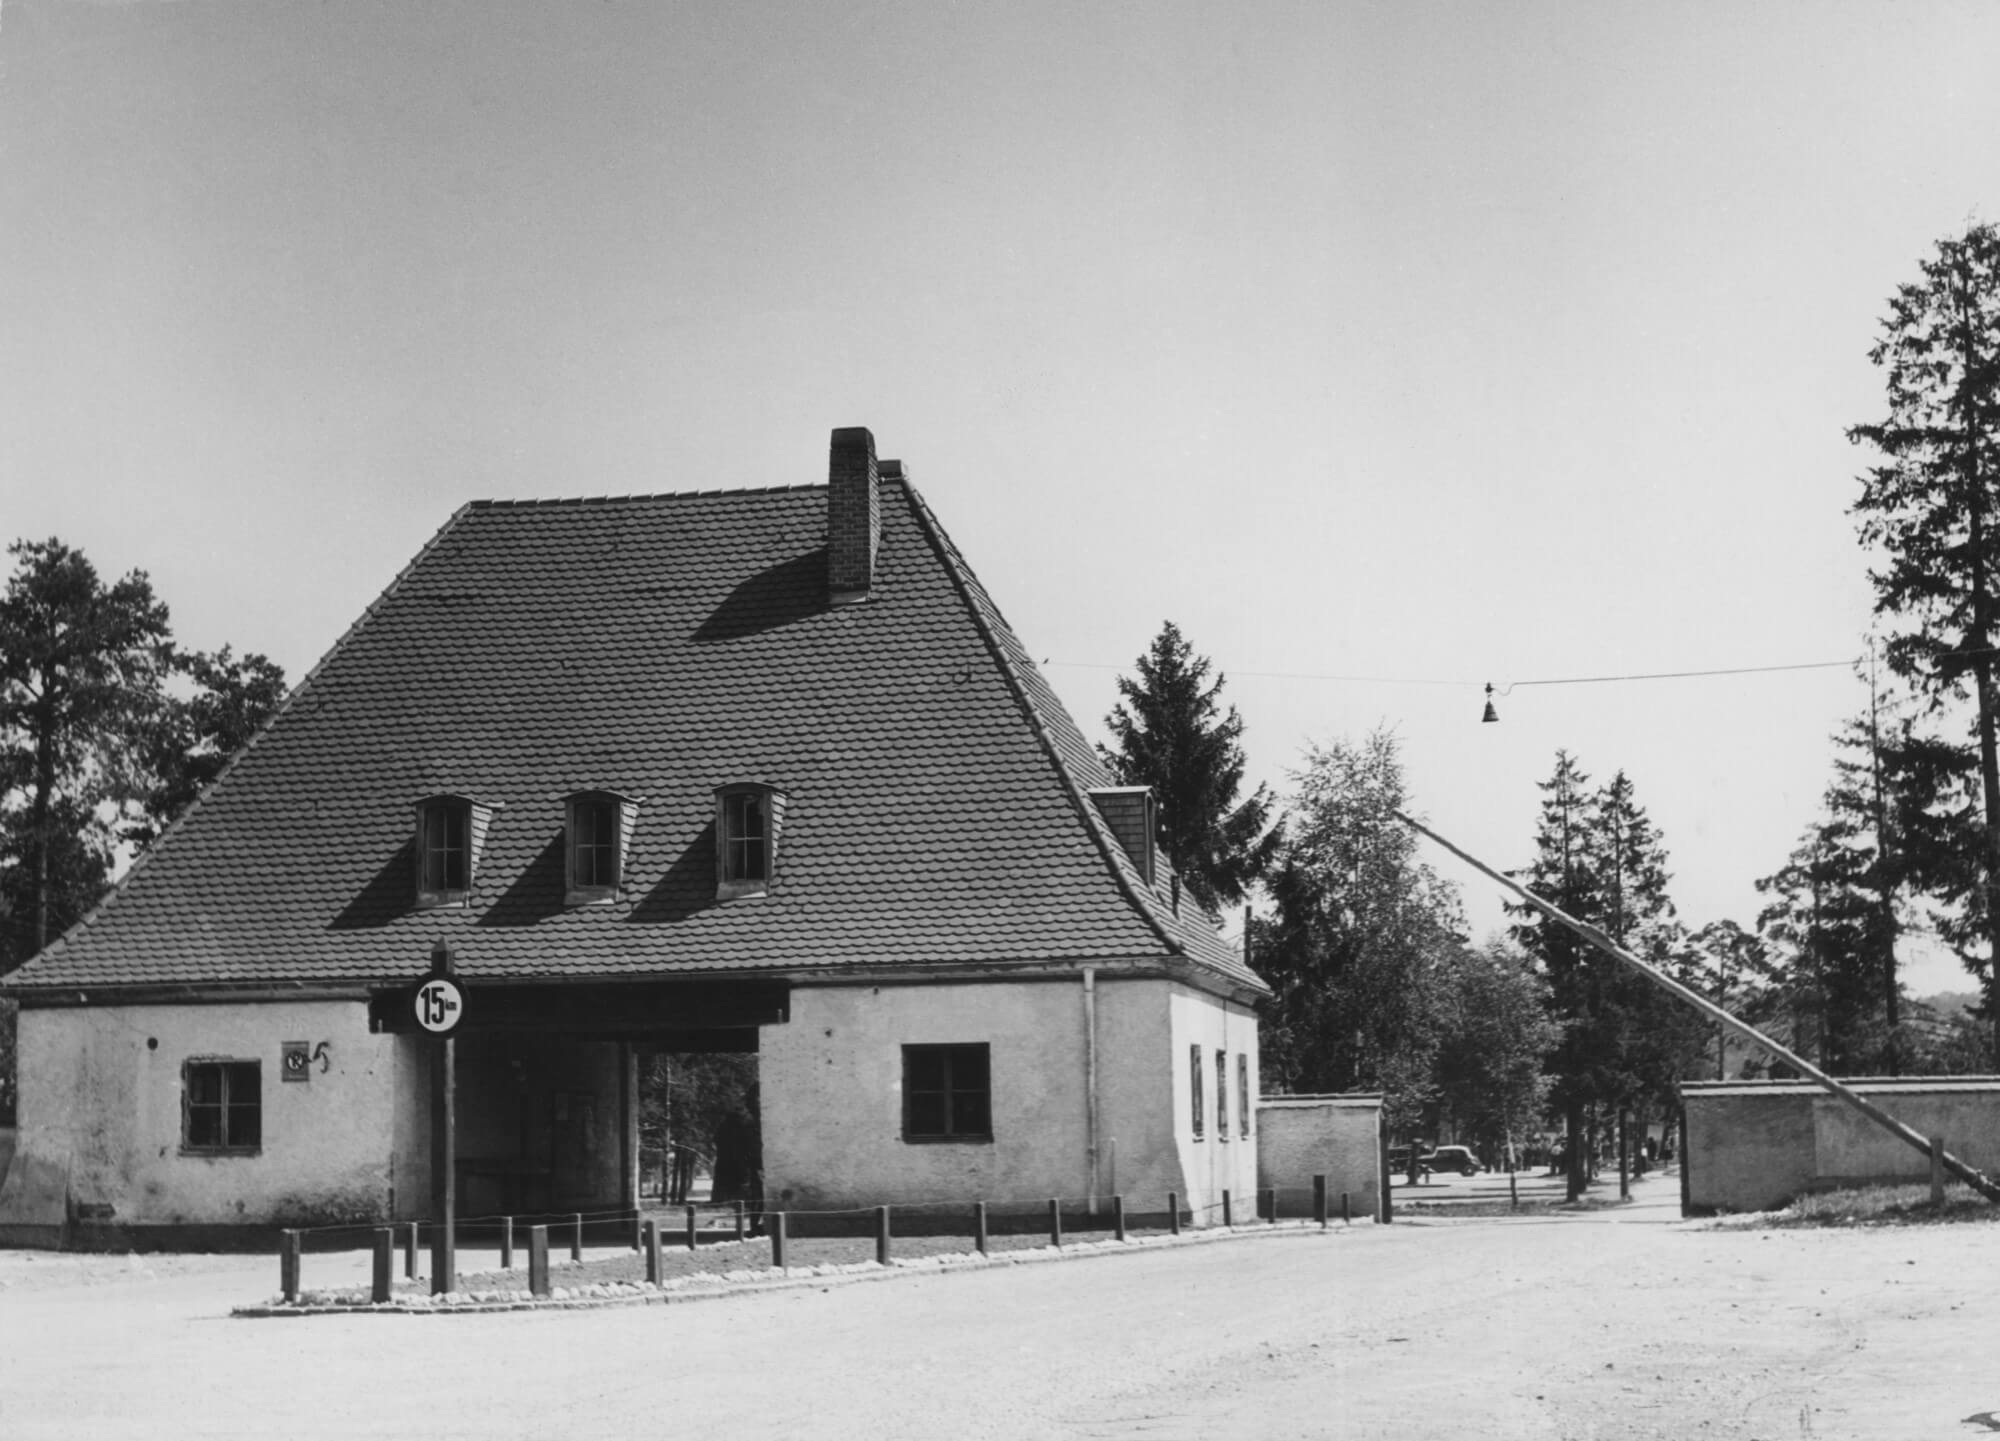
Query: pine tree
{"type": "Point", "coordinates": [81, 665]}
{"type": "Point", "coordinates": [1171, 734]}
{"type": "Point", "coordinates": [1926, 511]}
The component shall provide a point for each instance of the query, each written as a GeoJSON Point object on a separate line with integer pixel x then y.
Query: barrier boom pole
{"type": "Point", "coordinates": [1973, 1178]}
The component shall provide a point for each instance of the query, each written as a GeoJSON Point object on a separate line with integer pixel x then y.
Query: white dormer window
{"type": "Point", "coordinates": [600, 832]}
{"type": "Point", "coordinates": [746, 838]}
{"type": "Point", "coordinates": [450, 833]}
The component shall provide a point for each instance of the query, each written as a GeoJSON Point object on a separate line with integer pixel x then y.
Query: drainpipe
{"type": "Point", "coordinates": [1090, 1082]}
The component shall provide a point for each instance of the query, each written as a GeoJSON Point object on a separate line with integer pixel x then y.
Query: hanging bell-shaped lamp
{"type": "Point", "coordinates": [1491, 715]}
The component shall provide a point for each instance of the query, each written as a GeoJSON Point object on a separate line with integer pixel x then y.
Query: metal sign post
{"type": "Point", "coordinates": [440, 1008]}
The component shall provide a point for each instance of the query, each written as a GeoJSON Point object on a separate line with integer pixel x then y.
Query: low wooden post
{"type": "Point", "coordinates": [777, 1219]}
{"type": "Point", "coordinates": [385, 1265]}
{"type": "Point", "coordinates": [1118, 1217]}
{"type": "Point", "coordinates": [1173, 1213]}
{"type": "Point", "coordinates": [1513, 1192]}
{"type": "Point", "coordinates": [1055, 1223]}
{"type": "Point", "coordinates": [652, 1247]}
{"type": "Point", "coordinates": [736, 1209]}
{"type": "Point", "coordinates": [288, 1264]}
{"type": "Point", "coordinates": [638, 1229]}
{"type": "Point", "coordinates": [1937, 1170]}
{"type": "Point", "coordinates": [1226, 1213]}
{"type": "Point", "coordinates": [1319, 1201]}
{"type": "Point", "coordinates": [881, 1235]}
{"type": "Point", "coordinates": [1346, 1210]}
{"type": "Point", "coordinates": [538, 1260]}
{"type": "Point", "coordinates": [506, 1243]}
{"type": "Point", "coordinates": [411, 1243]}
{"type": "Point", "coordinates": [979, 1226]}
{"type": "Point", "coordinates": [576, 1236]}
{"type": "Point", "coordinates": [693, 1230]}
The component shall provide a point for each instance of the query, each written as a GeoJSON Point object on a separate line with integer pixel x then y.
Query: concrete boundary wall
{"type": "Point", "coordinates": [1756, 1145]}
{"type": "Point", "coordinates": [1339, 1137]}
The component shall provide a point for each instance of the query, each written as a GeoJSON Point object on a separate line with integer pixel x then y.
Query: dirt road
{"type": "Point", "coordinates": [1583, 1326]}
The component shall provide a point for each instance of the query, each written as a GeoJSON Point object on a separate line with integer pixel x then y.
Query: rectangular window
{"type": "Point", "coordinates": [1243, 1092]}
{"type": "Point", "coordinates": [745, 829]}
{"type": "Point", "coordinates": [947, 1093]}
{"type": "Point", "coordinates": [1195, 1087]}
{"type": "Point", "coordinates": [222, 1106]}
{"type": "Point", "coordinates": [1222, 1095]}
{"type": "Point", "coordinates": [445, 849]}
{"type": "Point", "coordinates": [593, 846]}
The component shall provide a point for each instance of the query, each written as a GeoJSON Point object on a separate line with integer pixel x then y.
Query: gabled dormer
{"type": "Point", "coordinates": [749, 819]}
{"type": "Point", "coordinates": [597, 827]}
{"type": "Point", "coordinates": [1131, 814]}
{"type": "Point", "coordinates": [451, 834]}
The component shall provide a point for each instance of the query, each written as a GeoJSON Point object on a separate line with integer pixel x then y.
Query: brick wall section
{"type": "Point", "coordinates": [853, 512]}
{"type": "Point", "coordinates": [1128, 810]}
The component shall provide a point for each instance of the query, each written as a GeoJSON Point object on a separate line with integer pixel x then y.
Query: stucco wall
{"type": "Point", "coordinates": [101, 1117]}
{"type": "Point", "coordinates": [1223, 1157]}
{"type": "Point", "coordinates": [1753, 1146]}
{"type": "Point", "coordinates": [831, 1093]}
{"type": "Point", "coordinates": [1339, 1137]}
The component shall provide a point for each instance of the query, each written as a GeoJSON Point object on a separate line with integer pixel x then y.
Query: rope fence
{"type": "Point", "coordinates": [1052, 1220]}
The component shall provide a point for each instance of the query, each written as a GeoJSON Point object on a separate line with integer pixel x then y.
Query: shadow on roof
{"type": "Point", "coordinates": [537, 893]}
{"type": "Point", "coordinates": [687, 887]}
{"type": "Point", "coordinates": [386, 897]}
{"type": "Point", "coordinates": [788, 591]}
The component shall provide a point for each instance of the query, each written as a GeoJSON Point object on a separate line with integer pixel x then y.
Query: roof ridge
{"type": "Point", "coordinates": [283, 708]}
{"type": "Point", "coordinates": [554, 501]}
{"type": "Point", "coordinates": [962, 580]}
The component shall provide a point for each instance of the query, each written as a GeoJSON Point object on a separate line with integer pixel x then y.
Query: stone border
{"type": "Point", "coordinates": [602, 1295]}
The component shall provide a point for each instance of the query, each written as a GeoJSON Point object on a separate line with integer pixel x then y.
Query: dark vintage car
{"type": "Point", "coordinates": [1452, 1158]}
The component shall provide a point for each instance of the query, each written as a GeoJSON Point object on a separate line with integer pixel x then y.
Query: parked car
{"type": "Point", "coordinates": [1451, 1158]}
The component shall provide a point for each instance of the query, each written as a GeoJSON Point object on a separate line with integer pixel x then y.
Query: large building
{"type": "Point", "coordinates": [752, 770]}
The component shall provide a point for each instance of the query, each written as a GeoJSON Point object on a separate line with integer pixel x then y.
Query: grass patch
{"type": "Point", "coordinates": [1873, 1206]}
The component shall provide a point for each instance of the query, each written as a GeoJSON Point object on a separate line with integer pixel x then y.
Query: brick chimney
{"type": "Point", "coordinates": [853, 515]}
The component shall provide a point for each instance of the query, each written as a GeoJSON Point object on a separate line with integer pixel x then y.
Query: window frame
{"type": "Point", "coordinates": [950, 1053]}
{"type": "Point", "coordinates": [445, 808]}
{"type": "Point", "coordinates": [1197, 1088]}
{"type": "Point", "coordinates": [224, 1067]}
{"type": "Point", "coordinates": [733, 840]}
{"type": "Point", "coordinates": [596, 891]}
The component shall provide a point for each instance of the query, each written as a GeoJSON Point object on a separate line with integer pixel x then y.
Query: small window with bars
{"type": "Point", "coordinates": [1221, 1095]}
{"type": "Point", "coordinates": [1243, 1093]}
{"type": "Point", "coordinates": [1195, 1087]}
{"type": "Point", "coordinates": [222, 1107]}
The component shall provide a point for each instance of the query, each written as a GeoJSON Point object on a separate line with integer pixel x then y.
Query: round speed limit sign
{"type": "Point", "coordinates": [440, 1005]}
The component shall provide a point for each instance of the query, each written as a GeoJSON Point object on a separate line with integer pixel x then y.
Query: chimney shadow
{"type": "Point", "coordinates": [687, 888]}
{"type": "Point", "coordinates": [537, 893]}
{"type": "Point", "coordinates": [788, 591]}
{"type": "Point", "coordinates": [390, 894]}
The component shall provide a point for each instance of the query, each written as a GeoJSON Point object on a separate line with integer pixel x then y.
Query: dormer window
{"type": "Point", "coordinates": [450, 833]}
{"type": "Point", "coordinates": [600, 830]}
{"type": "Point", "coordinates": [746, 838]}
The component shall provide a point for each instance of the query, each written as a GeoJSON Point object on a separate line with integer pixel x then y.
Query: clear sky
{"type": "Point", "coordinates": [1439, 343]}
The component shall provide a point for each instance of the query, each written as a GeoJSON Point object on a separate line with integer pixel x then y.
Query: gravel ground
{"type": "Point", "coordinates": [1622, 1324]}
